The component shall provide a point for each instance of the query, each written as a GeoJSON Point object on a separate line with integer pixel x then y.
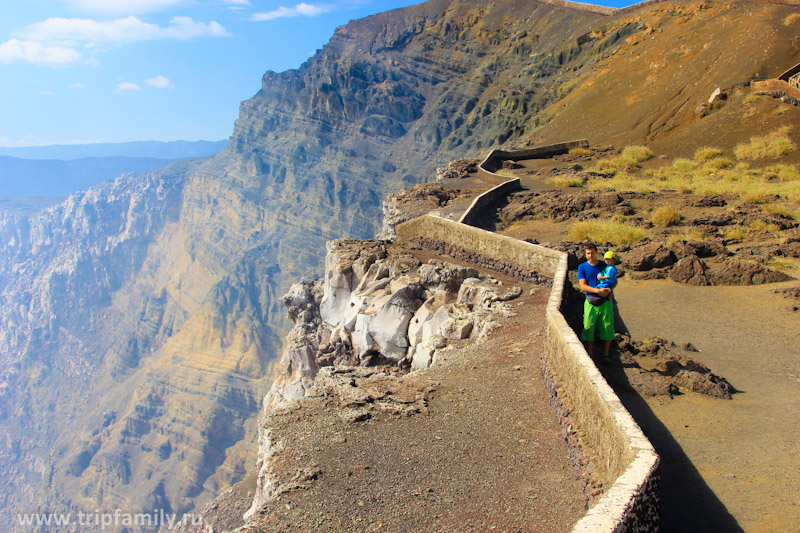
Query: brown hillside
{"type": "Point", "coordinates": [673, 57]}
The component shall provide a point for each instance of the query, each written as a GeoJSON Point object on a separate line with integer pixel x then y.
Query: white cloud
{"type": "Point", "coordinates": [118, 7]}
{"type": "Point", "coordinates": [238, 3]}
{"type": "Point", "coordinates": [161, 82]}
{"type": "Point", "coordinates": [303, 9]}
{"type": "Point", "coordinates": [127, 86]}
{"type": "Point", "coordinates": [77, 85]}
{"type": "Point", "coordinates": [70, 31]}
{"type": "Point", "coordinates": [36, 53]}
{"type": "Point", "coordinates": [67, 41]}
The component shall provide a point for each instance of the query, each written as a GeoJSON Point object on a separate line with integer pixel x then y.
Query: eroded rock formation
{"type": "Point", "coordinates": [377, 313]}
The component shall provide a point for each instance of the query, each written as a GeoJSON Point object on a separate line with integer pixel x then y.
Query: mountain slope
{"type": "Point", "coordinates": [140, 319]}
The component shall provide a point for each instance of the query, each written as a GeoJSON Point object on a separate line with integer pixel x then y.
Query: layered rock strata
{"type": "Point", "coordinates": [140, 318]}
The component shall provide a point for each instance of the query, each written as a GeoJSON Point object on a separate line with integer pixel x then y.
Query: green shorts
{"type": "Point", "coordinates": [600, 316]}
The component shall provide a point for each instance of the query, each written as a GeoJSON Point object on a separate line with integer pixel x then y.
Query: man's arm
{"type": "Point", "coordinates": [586, 288]}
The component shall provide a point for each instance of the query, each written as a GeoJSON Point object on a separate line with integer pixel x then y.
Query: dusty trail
{"type": "Point", "coordinates": [487, 454]}
{"type": "Point", "coordinates": [745, 449]}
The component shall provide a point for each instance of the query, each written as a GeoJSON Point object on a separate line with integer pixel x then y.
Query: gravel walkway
{"type": "Point", "coordinates": [486, 454]}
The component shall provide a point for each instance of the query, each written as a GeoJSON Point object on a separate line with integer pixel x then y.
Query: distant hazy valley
{"type": "Point", "coordinates": [37, 176]}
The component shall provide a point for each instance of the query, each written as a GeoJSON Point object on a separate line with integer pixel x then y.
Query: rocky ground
{"type": "Point", "coordinates": [427, 448]}
{"type": "Point", "coordinates": [706, 364]}
{"type": "Point", "coordinates": [701, 301]}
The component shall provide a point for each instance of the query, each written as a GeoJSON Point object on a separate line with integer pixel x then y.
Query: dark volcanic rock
{"type": "Point", "coordinates": [735, 272]}
{"type": "Point", "coordinates": [682, 249]}
{"type": "Point", "coordinates": [655, 368]}
{"type": "Point", "coordinates": [690, 270]}
{"type": "Point", "coordinates": [648, 256]}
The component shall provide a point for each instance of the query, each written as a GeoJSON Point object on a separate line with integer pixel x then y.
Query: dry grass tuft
{"type": "Point", "coordinates": [736, 234]}
{"type": "Point", "coordinates": [628, 159]}
{"type": "Point", "coordinates": [763, 226]}
{"type": "Point", "coordinates": [774, 144]}
{"type": "Point", "coordinates": [780, 263]}
{"type": "Point", "coordinates": [605, 231]}
{"type": "Point", "coordinates": [692, 234]}
{"type": "Point", "coordinates": [782, 173]}
{"type": "Point", "coordinates": [751, 99]}
{"type": "Point", "coordinates": [565, 181]}
{"type": "Point", "coordinates": [580, 151]}
{"type": "Point", "coordinates": [757, 197]}
{"type": "Point", "coordinates": [717, 164]}
{"type": "Point", "coordinates": [780, 210]}
{"type": "Point", "coordinates": [637, 153]}
{"type": "Point", "coordinates": [665, 216]}
{"type": "Point", "coordinates": [707, 153]}
{"type": "Point", "coordinates": [791, 19]}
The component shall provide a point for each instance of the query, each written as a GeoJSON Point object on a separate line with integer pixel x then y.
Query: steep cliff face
{"type": "Point", "coordinates": [140, 319]}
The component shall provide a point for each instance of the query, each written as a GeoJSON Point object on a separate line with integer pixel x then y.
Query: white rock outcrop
{"type": "Point", "coordinates": [374, 308]}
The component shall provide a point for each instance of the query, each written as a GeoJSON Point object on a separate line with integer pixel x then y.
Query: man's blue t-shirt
{"type": "Point", "coordinates": [589, 272]}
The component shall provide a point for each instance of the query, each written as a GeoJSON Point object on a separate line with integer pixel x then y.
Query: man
{"type": "Point", "coordinates": [598, 309]}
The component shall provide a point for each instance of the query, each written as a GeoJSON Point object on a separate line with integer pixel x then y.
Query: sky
{"type": "Point", "coordinates": [82, 71]}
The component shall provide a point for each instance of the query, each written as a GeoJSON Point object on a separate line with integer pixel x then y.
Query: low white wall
{"type": "Point", "coordinates": [593, 415]}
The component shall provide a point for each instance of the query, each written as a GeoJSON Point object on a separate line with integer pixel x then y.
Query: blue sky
{"type": "Point", "coordinates": [78, 71]}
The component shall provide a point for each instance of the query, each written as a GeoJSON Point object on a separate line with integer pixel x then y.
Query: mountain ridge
{"type": "Point", "coordinates": [140, 318]}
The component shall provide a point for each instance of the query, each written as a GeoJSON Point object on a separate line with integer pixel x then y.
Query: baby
{"type": "Point", "coordinates": [608, 277]}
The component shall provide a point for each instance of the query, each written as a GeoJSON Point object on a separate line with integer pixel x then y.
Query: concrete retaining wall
{"type": "Point", "coordinates": [775, 86]}
{"type": "Point", "coordinates": [627, 461]}
{"type": "Point", "coordinates": [492, 195]}
{"type": "Point", "coordinates": [495, 157]}
{"type": "Point", "coordinates": [594, 417]}
{"type": "Point", "coordinates": [525, 255]}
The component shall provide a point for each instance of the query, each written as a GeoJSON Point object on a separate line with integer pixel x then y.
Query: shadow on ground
{"type": "Point", "coordinates": [687, 503]}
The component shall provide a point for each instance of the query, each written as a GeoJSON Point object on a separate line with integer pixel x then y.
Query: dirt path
{"type": "Point", "coordinates": [488, 453]}
{"type": "Point", "coordinates": [728, 464]}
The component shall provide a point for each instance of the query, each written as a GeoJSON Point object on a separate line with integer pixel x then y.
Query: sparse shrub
{"type": "Point", "coordinates": [628, 159]}
{"type": "Point", "coordinates": [692, 234]}
{"type": "Point", "coordinates": [605, 231]}
{"type": "Point", "coordinates": [751, 99]}
{"type": "Point", "coordinates": [665, 216]}
{"type": "Point", "coordinates": [638, 154]}
{"type": "Point", "coordinates": [622, 181]}
{"type": "Point", "coordinates": [717, 164]}
{"type": "Point", "coordinates": [782, 173]}
{"type": "Point", "coordinates": [791, 19]}
{"type": "Point", "coordinates": [763, 226]}
{"type": "Point", "coordinates": [774, 144]}
{"type": "Point", "coordinates": [755, 197]}
{"type": "Point", "coordinates": [578, 151]}
{"type": "Point", "coordinates": [716, 176]}
{"type": "Point", "coordinates": [566, 181]}
{"type": "Point", "coordinates": [736, 234]}
{"type": "Point", "coordinates": [707, 153]}
{"type": "Point", "coordinates": [779, 210]}
{"type": "Point", "coordinates": [781, 263]}
{"type": "Point", "coordinates": [684, 165]}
